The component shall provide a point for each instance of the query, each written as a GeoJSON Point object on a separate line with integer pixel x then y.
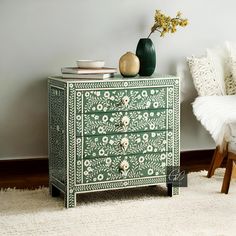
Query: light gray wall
{"type": "Point", "coordinates": [37, 38]}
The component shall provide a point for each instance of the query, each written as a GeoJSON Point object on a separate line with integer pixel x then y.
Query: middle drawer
{"type": "Point", "coordinates": [122, 144]}
{"type": "Point", "coordinates": [120, 122]}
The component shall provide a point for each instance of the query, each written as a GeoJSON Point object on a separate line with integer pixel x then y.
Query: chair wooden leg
{"type": "Point", "coordinates": [216, 161]}
{"type": "Point", "coordinates": [227, 176]}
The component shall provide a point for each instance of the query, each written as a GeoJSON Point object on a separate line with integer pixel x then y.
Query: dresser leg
{"type": "Point", "coordinates": [55, 192]}
{"type": "Point", "coordinates": [169, 190]}
{"type": "Point", "coordinates": [70, 200]}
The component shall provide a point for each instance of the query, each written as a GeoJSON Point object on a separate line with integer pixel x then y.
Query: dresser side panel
{"type": "Point", "coordinates": [57, 130]}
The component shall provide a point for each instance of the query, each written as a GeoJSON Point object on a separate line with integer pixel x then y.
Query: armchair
{"type": "Point", "coordinates": [215, 106]}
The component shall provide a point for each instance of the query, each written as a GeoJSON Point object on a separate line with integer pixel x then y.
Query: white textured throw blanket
{"type": "Point", "coordinates": [218, 115]}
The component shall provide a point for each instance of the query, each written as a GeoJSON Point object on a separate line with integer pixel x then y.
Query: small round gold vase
{"type": "Point", "coordinates": [129, 65]}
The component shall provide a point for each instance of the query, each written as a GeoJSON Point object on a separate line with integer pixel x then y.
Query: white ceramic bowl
{"type": "Point", "coordinates": [90, 63]}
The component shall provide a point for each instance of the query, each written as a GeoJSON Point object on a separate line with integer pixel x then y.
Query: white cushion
{"type": "Point", "coordinates": [207, 80]}
{"type": "Point", "coordinates": [230, 80]}
{"type": "Point", "coordinates": [218, 115]}
{"type": "Point", "coordinates": [218, 57]}
{"type": "Point", "coordinates": [231, 47]}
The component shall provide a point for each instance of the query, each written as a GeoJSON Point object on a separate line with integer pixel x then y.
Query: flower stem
{"type": "Point", "coordinates": [149, 35]}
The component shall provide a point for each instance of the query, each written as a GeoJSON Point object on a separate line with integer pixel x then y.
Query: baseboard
{"type": "Point", "coordinates": [22, 158]}
{"type": "Point", "coordinates": [32, 172]}
{"type": "Point", "coordinates": [190, 160]}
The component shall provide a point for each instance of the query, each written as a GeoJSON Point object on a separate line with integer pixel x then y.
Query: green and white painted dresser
{"type": "Point", "coordinates": [111, 134]}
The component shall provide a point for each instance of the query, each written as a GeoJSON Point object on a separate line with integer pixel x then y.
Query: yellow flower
{"type": "Point", "coordinates": [165, 24]}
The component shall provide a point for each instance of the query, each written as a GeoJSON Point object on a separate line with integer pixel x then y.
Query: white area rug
{"type": "Point", "coordinates": [200, 209]}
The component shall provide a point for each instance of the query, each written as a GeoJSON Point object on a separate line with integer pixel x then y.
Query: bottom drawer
{"type": "Point", "coordinates": [124, 167]}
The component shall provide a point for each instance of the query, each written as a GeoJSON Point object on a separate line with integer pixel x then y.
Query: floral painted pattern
{"type": "Point", "coordinates": [124, 100]}
{"type": "Point", "coordinates": [121, 122]}
{"type": "Point", "coordinates": [111, 145]}
{"type": "Point", "coordinates": [109, 169]}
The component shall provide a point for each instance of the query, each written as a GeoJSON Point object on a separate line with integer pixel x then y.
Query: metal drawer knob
{"type": "Point", "coordinates": [124, 143]}
{"type": "Point", "coordinates": [125, 100]}
{"type": "Point", "coordinates": [124, 165]}
{"type": "Point", "coordinates": [125, 121]}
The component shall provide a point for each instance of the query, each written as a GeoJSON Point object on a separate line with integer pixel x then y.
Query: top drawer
{"type": "Point", "coordinates": [121, 100]}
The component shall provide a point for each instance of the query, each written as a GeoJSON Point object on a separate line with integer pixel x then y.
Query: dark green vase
{"type": "Point", "coordinates": [147, 56]}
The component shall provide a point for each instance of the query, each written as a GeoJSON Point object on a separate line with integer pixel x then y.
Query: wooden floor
{"type": "Point", "coordinates": [30, 174]}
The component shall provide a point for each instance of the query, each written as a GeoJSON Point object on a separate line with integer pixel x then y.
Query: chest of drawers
{"type": "Point", "coordinates": [111, 134]}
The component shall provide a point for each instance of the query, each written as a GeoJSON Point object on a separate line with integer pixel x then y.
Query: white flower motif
{"type": "Point", "coordinates": [99, 107]}
{"type": "Point", "coordinates": [170, 154]}
{"type": "Point", "coordinates": [139, 96]}
{"type": "Point", "coordinates": [94, 179]}
{"type": "Point", "coordinates": [107, 94]}
{"type": "Point", "coordinates": [96, 139]}
{"type": "Point", "coordinates": [163, 156]}
{"type": "Point", "coordinates": [111, 119]}
{"type": "Point", "coordinates": [100, 129]}
{"type": "Point", "coordinates": [105, 118]}
{"type": "Point", "coordinates": [155, 149]}
{"type": "Point", "coordinates": [94, 154]}
{"type": "Point", "coordinates": [169, 134]}
{"type": "Point", "coordinates": [152, 91]}
{"type": "Point", "coordinates": [108, 160]}
{"type": "Point", "coordinates": [87, 163]}
{"type": "Point", "coordinates": [153, 135]}
{"type": "Point", "coordinates": [111, 142]}
{"type": "Point", "coordinates": [155, 104]}
{"type": "Point", "coordinates": [93, 132]}
{"type": "Point", "coordinates": [100, 177]}
{"type": "Point", "coordinates": [138, 140]}
{"type": "Point", "coordinates": [105, 139]}
{"type": "Point", "coordinates": [158, 113]}
{"type": "Point", "coordinates": [78, 141]}
{"type": "Point", "coordinates": [86, 172]}
{"type": "Point", "coordinates": [152, 114]}
{"type": "Point", "coordinates": [101, 152]}
{"type": "Point", "coordinates": [98, 93]}
{"type": "Point", "coordinates": [112, 98]}
{"type": "Point", "coordinates": [145, 115]}
{"type": "Point", "coordinates": [152, 126]}
{"type": "Point", "coordinates": [141, 159]}
{"type": "Point", "coordinates": [93, 108]}
{"type": "Point", "coordinates": [150, 171]}
{"type": "Point", "coordinates": [78, 163]}
{"type": "Point", "coordinates": [78, 94]}
{"type": "Point", "coordinates": [78, 117]}
{"type": "Point", "coordinates": [71, 85]}
{"type": "Point", "coordinates": [89, 169]}
{"type": "Point", "coordinates": [145, 136]}
{"type": "Point", "coordinates": [96, 117]}
{"type": "Point", "coordinates": [105, 109]}
{"type": "Point", "coordinates": [86, 94]}
{"type": "Point", "coordinates": [144, 93]}
{"type": "Point", "coordinates": [149, 148]}
{"type": "Point", "coordinates": [125, 84]}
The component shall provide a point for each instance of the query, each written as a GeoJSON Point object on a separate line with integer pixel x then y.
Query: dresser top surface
{"type": "Point", "coordinates": [117, 77]}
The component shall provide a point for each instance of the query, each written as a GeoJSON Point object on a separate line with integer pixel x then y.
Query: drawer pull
{"type": "Point", "coordinates": [125, 121]}
{"type": "Point", "coordinates": [124, 165]}
{"type": "Point", "coordinates": [124, 143]}
{"type": "Point", "coordinates": [125, 100]}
